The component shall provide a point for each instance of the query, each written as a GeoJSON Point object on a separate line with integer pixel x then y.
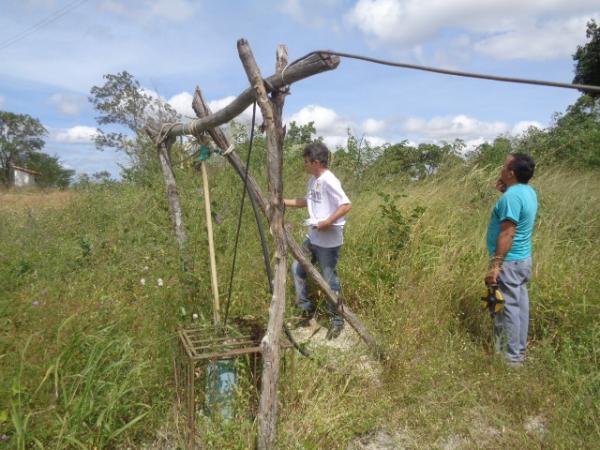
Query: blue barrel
{"type": "Point", "coordinates": [221, 380]}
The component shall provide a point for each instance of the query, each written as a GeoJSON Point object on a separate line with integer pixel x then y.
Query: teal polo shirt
{"type": "Point", "coordinates": [519, 205]}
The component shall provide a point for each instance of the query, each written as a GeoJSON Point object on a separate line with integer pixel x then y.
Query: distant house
{"type": "Point", "coordinates": [22, 177]}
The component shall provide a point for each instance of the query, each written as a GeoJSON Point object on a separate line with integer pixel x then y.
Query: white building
{"type": "Point", "coordinates": [21, 177]}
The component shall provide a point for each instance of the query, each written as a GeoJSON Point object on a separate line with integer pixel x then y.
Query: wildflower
{"type": "Point", "coordinates": [35, 303]}
{"type": "Point", "coordinates": [143, 281]}
{"type": "Point", "coordinates": [145, 268]}
{"type": "Point", "coordinates": [160, 282]}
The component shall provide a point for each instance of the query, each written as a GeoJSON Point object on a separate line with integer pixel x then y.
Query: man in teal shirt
{"type": "Point", "coordinates": [509, 245]}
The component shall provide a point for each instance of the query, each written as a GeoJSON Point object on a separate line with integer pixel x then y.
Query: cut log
{"type": "Point", "coordinates": [312, 65]}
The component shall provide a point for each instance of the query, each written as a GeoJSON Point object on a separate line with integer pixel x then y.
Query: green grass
{"type": "Point", "coordinates": [86, 348]}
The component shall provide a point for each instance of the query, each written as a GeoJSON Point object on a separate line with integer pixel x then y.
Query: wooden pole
{"type": "Point", "coordinates": [211, 246]}
{"type": "Point", "coordinates": [271, 112]}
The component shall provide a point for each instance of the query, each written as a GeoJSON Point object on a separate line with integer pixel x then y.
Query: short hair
{"type": "Point", "coordinates": [523, 166]}
{"type": "Point", "coordinates": [317, 152]}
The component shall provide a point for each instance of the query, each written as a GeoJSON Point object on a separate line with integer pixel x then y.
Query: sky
{"type": "Point", "coordinates": [52, 52]}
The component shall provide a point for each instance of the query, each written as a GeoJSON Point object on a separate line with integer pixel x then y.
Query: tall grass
{"type": "Point", "coordinates": [86, 346]}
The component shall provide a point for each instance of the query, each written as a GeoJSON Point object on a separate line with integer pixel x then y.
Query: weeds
{"type": "Point", "coordinates": [86, 348]}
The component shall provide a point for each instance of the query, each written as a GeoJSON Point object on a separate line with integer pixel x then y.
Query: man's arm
{"type": "Point", "coordinates": [503, 246]}
{"type": "Point", "coordinates": [340, 212]}
{"type": "Point", "coordinates": [295, 202]}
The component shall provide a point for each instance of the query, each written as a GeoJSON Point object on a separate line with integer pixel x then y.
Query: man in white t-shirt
{"type": "Point", "coordinates": [327, 206]}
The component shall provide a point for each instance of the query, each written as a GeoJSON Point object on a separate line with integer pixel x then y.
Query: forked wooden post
{"type": "Point", "coordinates": [271, 111]}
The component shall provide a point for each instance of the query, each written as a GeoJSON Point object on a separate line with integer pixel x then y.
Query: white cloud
{"type": "Point", "coordinates": [79, 134]}
{"type": "Point", "coordinates": [373, 126]}
{"type": "Point", "coordinates": [245, 117]}
{"type": "Point", "coordinates": [522, 26]}
{"type": "Point", "coordinates": [1, 102]}
{"type": "Point", "coordinates": [524, 125]}
{"type": "Point", "coordinates": [453, 127]}
{"type": "Point", "coordinates": [334, 128]}
{"type": "Point", "coordinates": [333, 142]}
{"type": "Point", "coordinates": [471, 131]}
{"type": "Point", "coordinates": [69, 104]}
{"type": "Point", "coordinates": [182, 103]}
{"type": "Point", "coordinates": [548, 40]}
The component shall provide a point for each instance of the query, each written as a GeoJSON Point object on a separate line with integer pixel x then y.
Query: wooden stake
{"type": "Point", "coordinates": [211, 246]}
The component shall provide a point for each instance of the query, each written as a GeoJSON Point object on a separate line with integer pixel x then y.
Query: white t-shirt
{"type": "Point", "coordinates": [324, 196]}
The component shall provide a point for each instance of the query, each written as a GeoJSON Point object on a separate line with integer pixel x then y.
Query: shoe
{"type": "Point", "coordinates": [334, 331]}
{"type": "Point", "coordinates": [514, 364]}
{"type": "Point", "coordinates": [304, 318]}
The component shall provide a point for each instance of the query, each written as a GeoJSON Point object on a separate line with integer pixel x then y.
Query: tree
{"type": "Point", "coordinates": [53, 174]}
{"type": "Point", "coordinates": [587, 57]}
{"type": "Point", "coordinates": [20, 137]}
{"type": "Point", "coordinates": [122, 102]}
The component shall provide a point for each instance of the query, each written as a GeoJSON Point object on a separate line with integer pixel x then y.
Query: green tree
{"type": "Point", "coordinates": [587, 58]}
{"type": "Point", "coordinates": [126, 108]}
{"type": "Point", "coordinates": [53, 174]}
{"type": "Point", "coordinates": [492, 154]}
{"type": "Point", "coordinates": [20, 136]}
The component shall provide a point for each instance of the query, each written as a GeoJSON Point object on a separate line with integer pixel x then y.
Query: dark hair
{"type": "Point", "coordinates": [317, 152]}
{"type": "Point", "coordinates": [523, 166]}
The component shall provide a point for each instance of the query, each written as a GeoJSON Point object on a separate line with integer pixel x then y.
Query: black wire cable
{"type": "Point", "coordinates": [42, 23]}
{"type": "Point", "coordinates": [241, 215]}
{"type": "Point", "coordinates": [263, 243]}
{"type": "Point", "coordinates": [581, 87]}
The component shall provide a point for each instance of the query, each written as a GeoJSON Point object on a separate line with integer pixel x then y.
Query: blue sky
{"type": "Point", "coordinates": [171, 46]}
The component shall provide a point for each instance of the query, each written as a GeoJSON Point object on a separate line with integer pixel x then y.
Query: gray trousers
{"type": "Point", "coordinates": [511, 325]}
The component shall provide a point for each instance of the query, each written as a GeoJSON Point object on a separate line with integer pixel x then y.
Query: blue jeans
{"type": "Point", "coordinates": [327, 259]}
{"type": "Point", "coordinates": [511, 325]}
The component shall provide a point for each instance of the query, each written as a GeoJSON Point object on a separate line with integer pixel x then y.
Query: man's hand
{"type": "Point", "coordinates": [500, 185]}
{"type": "Point", "coordinates": [492, 277]}
{"type": "Point", "coordinates": [323, 225]}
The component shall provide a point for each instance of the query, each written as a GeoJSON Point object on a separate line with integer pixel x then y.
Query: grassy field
{"type": "Point", "coordinates": [91, 291]}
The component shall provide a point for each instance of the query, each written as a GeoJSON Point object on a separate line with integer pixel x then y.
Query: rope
{"type": "Point", "coordinates": [581, 87]}
{"type": "Point", "coordinates": [240, 217]}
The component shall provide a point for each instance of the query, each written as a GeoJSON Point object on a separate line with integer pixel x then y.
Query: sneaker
{"type": "Point", "coordinates": [334, 331]}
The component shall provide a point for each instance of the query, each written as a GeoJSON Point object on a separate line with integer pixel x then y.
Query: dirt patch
{"type": "Point", "coordinates": [34, 200]}
{"type": "Point", "coordinates": [347, 346]}
{"type": "Point", "coordinates": [536, 425]}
